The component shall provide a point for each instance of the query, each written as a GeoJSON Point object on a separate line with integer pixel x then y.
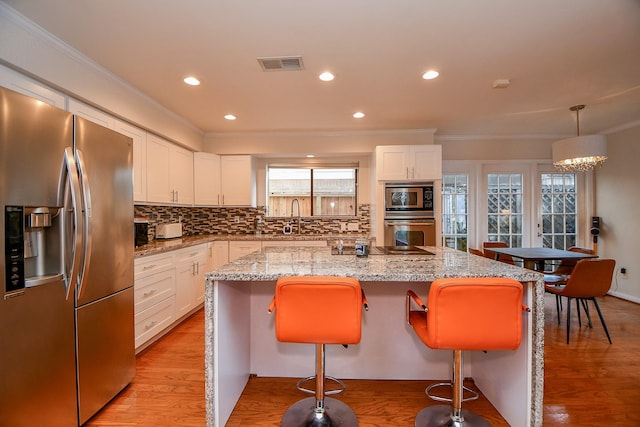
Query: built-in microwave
{"type": "Point", "coordinates": [409, 200]}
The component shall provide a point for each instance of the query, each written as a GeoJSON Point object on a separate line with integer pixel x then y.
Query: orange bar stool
{"type": "Point", "coordinates": [465, 314]}
{"type": "Point", "coordinates": [319, 310]}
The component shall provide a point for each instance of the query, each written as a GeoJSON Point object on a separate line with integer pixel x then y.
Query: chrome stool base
{"type": "Point", "coordinates": [340, 389]}
{"type": "Point", "coordinates": [440, 416]}
{"type": "Point", "coordinates": [427, 391]}
{"type": "Point", "coordinates": [336, 413]}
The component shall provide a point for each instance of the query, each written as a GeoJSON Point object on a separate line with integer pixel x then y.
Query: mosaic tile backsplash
{"type": "Point", "coordinates": [223, 220]}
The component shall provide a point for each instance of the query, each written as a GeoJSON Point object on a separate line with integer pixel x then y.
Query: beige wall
{"type": "Point", "coordinates": [503, 148]}
{"type": "Point", "coordinates": [618, 205]}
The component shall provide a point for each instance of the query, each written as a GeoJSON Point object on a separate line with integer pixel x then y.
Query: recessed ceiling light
{"type": "Point", "coordinates": [431, 74]}
{"type": "Point", "coordinates": [310, 155]}
{"type": "Point", "coordinates": [230, 117]}
{"type": "Point", "coordinates": [192, 81]}
{"type": "Point", "coordinates": [358, 115]}
{"type": "Point", "coordinates": [326, 76]}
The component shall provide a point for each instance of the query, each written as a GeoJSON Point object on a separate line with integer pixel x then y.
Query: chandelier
{"type": "Point", "coordinates": [580, 153]}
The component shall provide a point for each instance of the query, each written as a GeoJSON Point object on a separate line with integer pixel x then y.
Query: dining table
{"type": "Point", "coordinates": [534, 258]}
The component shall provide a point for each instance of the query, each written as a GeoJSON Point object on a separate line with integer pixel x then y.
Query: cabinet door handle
{"type": "Point", "coordinates": [177, 197]}
{"type": "Point", "coordinates": [150, 325]}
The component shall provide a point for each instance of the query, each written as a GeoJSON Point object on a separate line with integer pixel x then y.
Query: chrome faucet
{"type": "Point", "coordinates": [298, 203]}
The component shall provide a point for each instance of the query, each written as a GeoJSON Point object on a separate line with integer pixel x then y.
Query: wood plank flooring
{"type": "Point", "coordinates": [587, 383]}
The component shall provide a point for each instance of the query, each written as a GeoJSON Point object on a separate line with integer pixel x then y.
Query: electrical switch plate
{"type": "Point", "coordinates": [343, 226]}
{"type": "Point", "coordinates": [353, 226]}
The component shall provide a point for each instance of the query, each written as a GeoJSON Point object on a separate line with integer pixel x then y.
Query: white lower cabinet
{"type": "Point", "coordinates": [220, 253]}
{"type": "Point", "coordinates": [154, 296]}
{"type": "Point", "coordinates": [190, 263]}
{"type": "Point", "coordinates": [240, 248]}
{"type": "Point", "coordinates": [154, 320]}
{"type": "Point", "coordinates": [167, 287]}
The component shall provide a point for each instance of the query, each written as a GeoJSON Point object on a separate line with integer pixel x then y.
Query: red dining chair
{"type": "Point", "coordinates": [465, 314]}
{"type": "Point", "coordinates": [590, 279]}
{"type": "Point", "coordinates": [486, 247]}
{"type": "Point", "coordinates": [476, 252]}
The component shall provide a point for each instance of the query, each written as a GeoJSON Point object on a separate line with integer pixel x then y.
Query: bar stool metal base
{"type": "Point", "coordinates": [440, 416]}
{"type": "Point", "coordinates": [336, 413]}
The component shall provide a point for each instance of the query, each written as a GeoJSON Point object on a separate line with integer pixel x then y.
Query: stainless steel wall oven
{"type": "Point", "coordinates": [409, 218]}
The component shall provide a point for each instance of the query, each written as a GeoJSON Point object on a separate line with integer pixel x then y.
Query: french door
{"type": "Point", "coordinates": [525, 204]}
{"type": "Point", "coordinates": [505, 207]}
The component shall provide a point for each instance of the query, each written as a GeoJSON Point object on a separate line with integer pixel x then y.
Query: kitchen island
{"type": "Point", "coordinates": [240, 338]}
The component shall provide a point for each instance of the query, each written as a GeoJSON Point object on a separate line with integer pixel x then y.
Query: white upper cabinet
{"type": "Point", "coordinates": [169, 172]}
{"type": "Point", "coordinates": [181, 175]}
{"type": "Point", "coordinates": [224, 180]}
{"type": "Point", "coordinates": [237, 181]}
{"type": "Point", "coordinates": [206, 177]}
{"type": "Point", "coordinates": [408, 162]}
{"type": "Point", "coordinates": [24, 85]}
{"type": "Point", "coordinates": [91, 113]}
{"type": "Point", "coordinates": [139, 137]}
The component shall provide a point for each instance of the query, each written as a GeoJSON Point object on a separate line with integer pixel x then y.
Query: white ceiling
{"type": "Point", "coordinates": [557, 53]}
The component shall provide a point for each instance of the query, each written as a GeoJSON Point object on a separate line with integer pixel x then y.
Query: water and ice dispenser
{"type": "Point", "coordinates": [32, 246]}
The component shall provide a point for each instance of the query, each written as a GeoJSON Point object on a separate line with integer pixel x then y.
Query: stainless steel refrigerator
{"type": "Point", "coordinates": [66, 239]}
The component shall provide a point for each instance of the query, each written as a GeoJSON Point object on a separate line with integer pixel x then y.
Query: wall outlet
{"type": "Point", "coordinates": [236, 219]}
{"type": "Point", "coordinates": [343, 226]}
{"type": "Point", "coordinates": [623, 272]}
{"type": "Point", "coordinates": [353, 226]}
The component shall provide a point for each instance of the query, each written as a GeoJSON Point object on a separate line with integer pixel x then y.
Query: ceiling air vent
{"type": "Point", "coordinates": [281, 63]}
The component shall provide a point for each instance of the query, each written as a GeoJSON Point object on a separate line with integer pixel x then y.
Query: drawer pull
{"type": "Point", "coordinates": [147, 267]}
{"type": "Point", "coordinates": [150, 325]}
{"type": "Point", "coordinates": [151, 292]}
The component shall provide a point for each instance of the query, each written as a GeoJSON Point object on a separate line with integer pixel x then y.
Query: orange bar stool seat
{"type": "Point", "coordinates": [318, 310]}
{"type": "Point", "coordinates": [465, 314]}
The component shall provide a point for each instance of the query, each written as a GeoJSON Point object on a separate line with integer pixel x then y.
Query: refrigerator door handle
{"type": "Point", "coordinates": [69, 180]}
{"type": "Point", "coordinates": [86, 208]}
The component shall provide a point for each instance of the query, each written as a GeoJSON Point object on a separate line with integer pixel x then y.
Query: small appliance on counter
{"type": "Point", "coordinates": [169, 231]}
{"type": "Point", "coordinates": [141, 231]}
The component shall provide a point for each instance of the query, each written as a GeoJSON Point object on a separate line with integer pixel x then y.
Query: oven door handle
{"type": "Point", "coordinates": [391, 224]}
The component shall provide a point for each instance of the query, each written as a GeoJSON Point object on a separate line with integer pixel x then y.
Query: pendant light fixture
{"type": "Point", "coordinates": [581, 153]}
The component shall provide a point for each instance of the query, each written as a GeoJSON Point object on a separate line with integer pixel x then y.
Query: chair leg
{"type": "Point", "coordinates": [558, 306]}
{"type": "Point", "coordinates": [579, 313]}
{"type": "Point", "coordinates": [604, 325]}
{"type": "Point", "coordinates": [586, 310]}
{"type": "Point", "coordinates": [568, 318]}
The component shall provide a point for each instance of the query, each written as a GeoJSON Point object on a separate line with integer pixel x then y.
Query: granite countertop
{"type": "Point", "coordinates": [159, 246]}
{"type": "Point", "coordinates": [274, 262]}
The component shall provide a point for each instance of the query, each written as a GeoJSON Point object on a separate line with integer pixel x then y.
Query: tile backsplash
{"type": "Point", "coordinates": [239, 220]}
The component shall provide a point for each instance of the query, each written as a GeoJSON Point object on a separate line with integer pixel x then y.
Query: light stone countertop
{"type": "Point", "coordinates": [272, 263]}
{"type": "Point", "coordinates": [159, 245]}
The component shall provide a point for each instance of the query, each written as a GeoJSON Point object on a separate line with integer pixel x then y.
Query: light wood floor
{"type": "Point", "coordinates": [587, 383]}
